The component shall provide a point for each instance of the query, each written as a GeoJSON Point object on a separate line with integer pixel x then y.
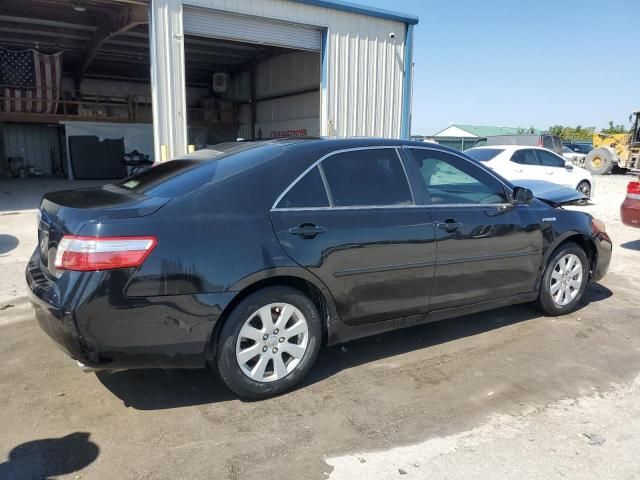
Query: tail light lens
{"type": "Point", "coordinates": [102, 253]}
{"type": "Point", "coordinates": [633, 190]}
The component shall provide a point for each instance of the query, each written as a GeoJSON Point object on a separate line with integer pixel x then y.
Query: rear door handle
{"type": "Point", "coordinates": [307, 231]}
{"type": "Point", "coordinates": [450, 225]}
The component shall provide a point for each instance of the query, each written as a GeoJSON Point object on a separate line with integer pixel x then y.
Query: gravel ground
{"type": "Point", "coordinates": [502, 394]}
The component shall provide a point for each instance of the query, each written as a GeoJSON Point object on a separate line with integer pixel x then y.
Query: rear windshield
{"type": "Point", "coordinates": [484, 154]}
{"type": "Point", "coordinates": [184, 175]}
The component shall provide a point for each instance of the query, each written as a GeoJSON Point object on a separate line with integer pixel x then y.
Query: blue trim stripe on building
{"type": "Point", "coordinates": [324, 73]}
{"type": "Point", "coordinates": [362, 9]}
{"type": "Point", "coordinates": [405, 127]}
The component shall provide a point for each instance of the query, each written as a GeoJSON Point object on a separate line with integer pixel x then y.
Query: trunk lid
{"type": "Point", "coordinates": [66, 212]}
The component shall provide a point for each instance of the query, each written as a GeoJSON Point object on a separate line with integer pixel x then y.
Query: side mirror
{"type": "Point", "coordinates": [568, 166]}
{"type": "Point", "coordinates": [522, 196]}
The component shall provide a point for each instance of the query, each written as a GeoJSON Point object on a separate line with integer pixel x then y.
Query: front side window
{"type": "Point", "coordinates": [525, 157]}
{"type": "Point", "coordinates": [371, 177]}
{"type": "Point", "coordinates": [547, 142]}
{"type": "Point", "coordinates": [450, 180]}
{"type": "Point", "coordinates": [308, 192]}
{"type": "Point", "coordinates": [548, 159]}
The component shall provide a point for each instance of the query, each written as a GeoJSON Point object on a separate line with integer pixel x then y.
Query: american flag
{"type": "Point", "coordinates": [29, 81]}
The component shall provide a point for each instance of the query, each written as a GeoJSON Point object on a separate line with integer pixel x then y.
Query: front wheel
{"type": "Point", "coordinates": [564, 280]}
{"type": "Point", "coordinates": [269, 342]}
{"type": "Point", "coordinates": [600, 161]}
{"type": "Point", "coordinates": [584, 188]}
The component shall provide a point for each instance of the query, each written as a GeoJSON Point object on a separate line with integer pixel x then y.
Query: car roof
{"type": "Point", "coordinates": [292, 143]}
{"type": "Point", "coordinates": [511, 148]}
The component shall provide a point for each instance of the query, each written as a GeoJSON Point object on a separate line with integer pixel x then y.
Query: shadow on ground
{"type": "Point", "coordinates": [50, 457]}
{"type": "Point", "coordinates": [632, 245]}
{"type": "Point", "coordinates": [7, 243]}
{"type": "Point", "coordinates": [162, 389]}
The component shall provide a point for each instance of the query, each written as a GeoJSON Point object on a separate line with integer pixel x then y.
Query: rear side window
{"type": "Point", "coordinates": [525, 157]}
{"type": "Point", "coordinates": [484, 154]}
{"type": "Point", "coordinates": [367, 177]}
{"type": "Point", "coordinates": [308, 192]}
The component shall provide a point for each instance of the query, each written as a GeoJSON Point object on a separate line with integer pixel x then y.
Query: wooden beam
{"type": "Point", "coordinates": [126, 19]}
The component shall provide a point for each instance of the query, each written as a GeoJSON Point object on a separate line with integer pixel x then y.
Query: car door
{"type": "Point", "coordinates": [487, 248]}
{"type": "Point", "coordinates": [352, 220]}
{"type": "Point", "coordinates": [525, 164]}
{"type": "Point", "coordinates": [555, 168]}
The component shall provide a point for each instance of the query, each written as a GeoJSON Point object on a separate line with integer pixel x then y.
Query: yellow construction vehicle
{"type": "Point", "coordinates": [619, 149]}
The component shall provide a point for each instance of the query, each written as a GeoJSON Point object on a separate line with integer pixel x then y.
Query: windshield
{"type": "Point", "coordinates": [484, 154]}
{"type": "Point", "coordinates": [184, 175]}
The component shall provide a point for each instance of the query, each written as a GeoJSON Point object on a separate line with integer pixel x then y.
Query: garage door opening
{"type": "Point", "coordinates": [250, 78]}
{"type": "Point", "coordinates": [238, 90]}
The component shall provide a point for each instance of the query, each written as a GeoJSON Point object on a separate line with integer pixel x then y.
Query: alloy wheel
{"type": "Point", "coordinates": [566, 279]}
{"type": "Point", "coordinates": [272, 342]}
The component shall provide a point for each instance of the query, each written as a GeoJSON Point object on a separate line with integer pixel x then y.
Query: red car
{"type": "Point", "coordinates": [630, 208]}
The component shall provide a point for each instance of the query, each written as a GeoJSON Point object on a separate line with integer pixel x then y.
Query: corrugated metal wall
{"type": "Point", "coordinates": [363, 93]}
{"type": "Point", "coordinates": [38, 145]}
{"type": "Point", "coordinates": [296, 75]}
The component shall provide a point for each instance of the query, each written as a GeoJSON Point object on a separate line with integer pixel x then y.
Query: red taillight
{"type": "Point", "coordinates": [102, 253]}
{"type": "Point", "coordinates": [633, 190]}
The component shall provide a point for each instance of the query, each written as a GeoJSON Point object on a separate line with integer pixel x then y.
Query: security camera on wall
{"type": "Point", "coordinates": [220, 82]}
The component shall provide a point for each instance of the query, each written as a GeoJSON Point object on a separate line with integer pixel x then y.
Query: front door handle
{"type": "Point", "coordinates": [450, 226]}
{"type": "Point", "coordinates": [307, 230]}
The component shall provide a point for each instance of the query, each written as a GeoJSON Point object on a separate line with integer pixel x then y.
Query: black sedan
{"type": "Point", "coordinates": [250, 256]}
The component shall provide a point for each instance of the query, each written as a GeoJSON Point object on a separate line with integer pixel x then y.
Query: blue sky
{"type": "Point", "coordinates": [523, 63]}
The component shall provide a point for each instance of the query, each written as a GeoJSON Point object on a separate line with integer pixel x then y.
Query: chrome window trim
{"type": "Point", "coordinates": [274, 207]}
{"type": "Point", "coordinates": [378, 207]}
{"type": "Point", "coordinates": [508, 191]}
{"type": "Point", "coordinates": [327, 190]}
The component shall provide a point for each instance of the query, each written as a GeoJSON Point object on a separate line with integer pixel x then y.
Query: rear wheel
{"type": "Point", "coordinates": [584, 188]}
{"type": "Point", "coordinates": [564, 281]}
{"type": "Point", "coordinates": [269, 342]}
{"type": "Point", "coordinates": [600, 161]}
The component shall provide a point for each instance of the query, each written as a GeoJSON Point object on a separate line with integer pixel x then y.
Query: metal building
{"type": "Point", "coordinates": [159, 77]}
{"type": "Point", "coordinates": [336, 69]}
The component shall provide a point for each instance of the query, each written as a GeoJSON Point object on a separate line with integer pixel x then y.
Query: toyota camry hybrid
{"type": "Point", "coordinates": [250, 256]}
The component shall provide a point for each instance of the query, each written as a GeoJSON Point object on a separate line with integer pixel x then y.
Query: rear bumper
{"type": "Point", "coordinates": [106, 331]}
{"type": "Point", "coordinates": [630, 212]}
{"type": "Point", "coordinates": [54, 321]}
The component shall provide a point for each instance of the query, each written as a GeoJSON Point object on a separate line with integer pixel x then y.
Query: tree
{"type": "Point", "coordinates": [572, 133]}
{"type": "Point", "coordinates": [613, 129]}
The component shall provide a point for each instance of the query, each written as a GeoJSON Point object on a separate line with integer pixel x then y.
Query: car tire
{"type": "Point", "coordinates": [584, 187]}
{"type": "Point", "coordinates": [256, 356]}
{"type": "Point", "coordinates": [600, 161]}
{"type": "Point", "coordinates": [564, 281]}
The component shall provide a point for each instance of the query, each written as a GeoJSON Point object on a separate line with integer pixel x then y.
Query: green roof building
{"type": "Point", "coordinates": [463, 137]}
